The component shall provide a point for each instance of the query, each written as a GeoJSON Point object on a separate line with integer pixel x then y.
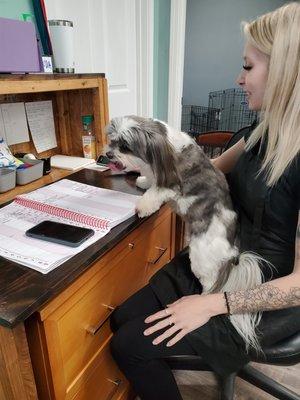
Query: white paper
{"type": "Point", "coordinates": [15, 124]}
{"type": "Point", "coordinates": [34, 253]}
{"type": "Point", "coordinates": [41, 124]}
{"type": "Point", "coordinates": [44, 256]}
{"type": "Point", "coordinates": [69, 162]}
{"type": "Point", "coordinates": [2, 128]}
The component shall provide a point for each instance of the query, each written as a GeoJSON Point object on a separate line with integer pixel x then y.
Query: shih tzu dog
{"type": "Point", "coordinates": [174, 168]}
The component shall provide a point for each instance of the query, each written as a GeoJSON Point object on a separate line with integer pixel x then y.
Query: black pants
{"type": "Point", "coordinates": [140, 360]}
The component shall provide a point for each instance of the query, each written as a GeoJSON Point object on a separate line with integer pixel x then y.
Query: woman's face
{"type": "Point", "coordinates": [253, 77]}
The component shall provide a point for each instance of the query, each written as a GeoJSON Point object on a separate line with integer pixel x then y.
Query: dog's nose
{"type": "Point", "coordinates": [110, 155]}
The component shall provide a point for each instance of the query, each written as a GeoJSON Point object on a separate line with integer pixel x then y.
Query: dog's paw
{"type": "Point", "coordinates": [142, 182]}
{"type": "Point", "coordinates": [145, 208]}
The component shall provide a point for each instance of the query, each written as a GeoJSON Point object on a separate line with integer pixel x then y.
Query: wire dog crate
{"type": "Point", "coordinates": [227, 111]}
{"type": "Point", "coordinates": [198, 119]}
{"type": "Point", "coordinates": [234, 111]}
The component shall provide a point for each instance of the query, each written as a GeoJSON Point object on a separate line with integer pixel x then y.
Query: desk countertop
{"type": "Point", "coordinates": [23, 290]}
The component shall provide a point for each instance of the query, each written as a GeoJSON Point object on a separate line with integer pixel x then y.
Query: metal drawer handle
{"type": "Point", "coordinates": [161, 252]}
{"type": "Point", "coordinates": [117, 383]}
{"type": "Point", "coordinates": [94, 329]}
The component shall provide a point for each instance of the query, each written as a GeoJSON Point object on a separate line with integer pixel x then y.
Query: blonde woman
{"type": "Point", "coordinates": [170, 316]}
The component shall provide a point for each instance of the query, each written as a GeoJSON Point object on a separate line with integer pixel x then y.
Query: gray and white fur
{"type": "Point", "coordinates": [174, 168]}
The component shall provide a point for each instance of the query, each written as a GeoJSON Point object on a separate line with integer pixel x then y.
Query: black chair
{"type": "Point", "coordinates": [283, 353]}
{"type": "Point", "coordinates": [213, 143]}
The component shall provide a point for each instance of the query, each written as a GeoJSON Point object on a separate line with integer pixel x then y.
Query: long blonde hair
{"type": "Point", "coordinates": [277, 34]}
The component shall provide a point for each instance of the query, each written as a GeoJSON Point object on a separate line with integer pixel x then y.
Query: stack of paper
{"type": "Point", "coordinates": [69, 162]}
{"type": "Point", "coordinates": [64, 201]}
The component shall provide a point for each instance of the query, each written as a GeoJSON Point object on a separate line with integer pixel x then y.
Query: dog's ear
{"type": "Point", "coordinates": [163, 161]}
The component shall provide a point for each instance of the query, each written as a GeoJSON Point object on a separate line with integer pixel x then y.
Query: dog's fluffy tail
{"type": "Point", "coordinates": [245, 275]}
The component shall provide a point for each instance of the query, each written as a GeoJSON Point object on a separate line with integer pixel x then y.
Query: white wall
{"type": "Point", "coordinates": [214, 44]}
{"type": "Point", "coordinates": [107, 39]}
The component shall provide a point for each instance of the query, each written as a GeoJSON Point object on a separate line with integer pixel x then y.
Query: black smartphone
{"type": "Point", "coordinates": [102, 160]}
{"type": "Point", "coordinates": [57, 232]}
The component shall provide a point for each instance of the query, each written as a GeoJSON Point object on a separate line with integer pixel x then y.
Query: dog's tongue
{"type": "Point", "coordinates": [115, 166]}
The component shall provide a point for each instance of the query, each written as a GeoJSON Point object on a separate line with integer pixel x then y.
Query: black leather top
{"type": "Point", "coordinates": [268, 216]}
{"type": "Point", "coordinates": [274, 211]}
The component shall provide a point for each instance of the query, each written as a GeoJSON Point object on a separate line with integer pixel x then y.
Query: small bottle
{"type": "Point", "coordinates": [88, 138]}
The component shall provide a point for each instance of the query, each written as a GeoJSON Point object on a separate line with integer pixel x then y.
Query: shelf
{"type": "Point", "coordinates": [72, 95]}
{"type": "Point", "coordinates": [15, 84]}
{"type": "Point", "coordinates": [54, 176]}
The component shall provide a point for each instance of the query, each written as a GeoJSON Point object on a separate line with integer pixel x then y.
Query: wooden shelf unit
{"type": "Point", "coordinates": [72, 95]}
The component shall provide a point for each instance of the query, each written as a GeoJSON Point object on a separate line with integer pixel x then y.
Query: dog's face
{"type": "Point", "coordinates": [123, 149]}
{"type": "Point", "coordinates": [142, 141]}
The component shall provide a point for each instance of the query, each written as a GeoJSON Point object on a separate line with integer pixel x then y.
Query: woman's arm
{"type": "Point", "coordinates": [279, 293]}
{"type": "Point", "coordinates": [226, 161]}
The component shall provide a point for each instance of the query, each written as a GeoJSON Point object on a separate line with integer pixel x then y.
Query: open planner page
{"type": "Point", "coordinates": [64, 201]}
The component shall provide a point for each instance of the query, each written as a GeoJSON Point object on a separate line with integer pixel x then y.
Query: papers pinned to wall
{"type": "Point", "coordinates": [14, 127]}
{"type": "Point", "coordinates": [41, 124]}
{"type": "Point", "coordinates": [13, 124]}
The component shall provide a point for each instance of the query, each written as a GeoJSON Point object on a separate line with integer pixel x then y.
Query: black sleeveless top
{"type": "Point", "coordinates": [267, 216]}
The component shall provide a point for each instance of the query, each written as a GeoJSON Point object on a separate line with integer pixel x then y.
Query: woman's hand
{"type": "Point", "coordinates": [185, 315]}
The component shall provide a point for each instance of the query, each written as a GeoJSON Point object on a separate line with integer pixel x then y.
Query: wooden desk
{"type": "Point", "coordinates": [54, 328]}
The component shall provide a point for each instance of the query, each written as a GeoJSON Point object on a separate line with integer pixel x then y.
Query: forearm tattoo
{"type": "Point", "coordinates": [262, 298]}
{"type": "Point", "coordinates": [267, 296]}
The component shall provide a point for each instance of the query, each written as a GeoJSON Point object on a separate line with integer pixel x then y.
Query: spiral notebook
{"type": "Point", "coordinates": [63, 201]}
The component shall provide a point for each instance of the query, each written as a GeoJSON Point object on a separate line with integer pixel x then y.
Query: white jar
{"type": "Point", "coordinates": [62, 40]}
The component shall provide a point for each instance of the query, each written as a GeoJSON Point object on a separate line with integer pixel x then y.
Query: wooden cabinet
{"type": "Point", "coordinates": [68, 338]}
{"type": "Point", "coordinates": [74, 330]}
{"type": "Point", "coordinates": [72, 96]}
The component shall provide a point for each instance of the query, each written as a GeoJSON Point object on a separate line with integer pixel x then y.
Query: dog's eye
{"type": "Point", "coordinates": [123, 148]}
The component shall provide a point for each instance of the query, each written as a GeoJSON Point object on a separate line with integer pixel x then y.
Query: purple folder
{"type": "Point", "coordinates": [18, 46]}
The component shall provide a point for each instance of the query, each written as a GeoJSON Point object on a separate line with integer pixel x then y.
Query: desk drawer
{"type": "Point", "coordinates": [101, 381]}
{"type": "Point", "coordinates": [79, 333]}
{"type": "Point", "coordinates": [104, 382]}
{"type": "Point", "coordinates": [159, 249]}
